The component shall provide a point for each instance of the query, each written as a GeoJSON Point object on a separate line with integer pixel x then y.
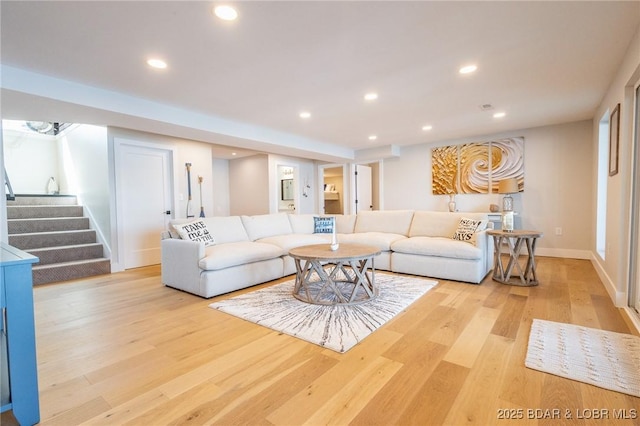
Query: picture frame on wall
{"type": "Point", "coordinates": [614, 140]}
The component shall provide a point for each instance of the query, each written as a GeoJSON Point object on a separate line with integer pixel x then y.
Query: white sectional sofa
{"type": "Point", "coordinates": [250, 250]}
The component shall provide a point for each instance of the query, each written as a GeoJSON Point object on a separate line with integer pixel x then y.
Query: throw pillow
{"type": "Point", "coordinates": [467, 230]}
{"type": "Point", "coordinates": [323, 225]}
{"type": "Point", "coordinates": [195, 231]}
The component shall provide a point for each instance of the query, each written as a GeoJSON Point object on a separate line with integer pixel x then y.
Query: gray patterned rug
{"type": "Point", "coordinates": [334, 327]}
{"type": "Point", "coordinates": [602, 358]}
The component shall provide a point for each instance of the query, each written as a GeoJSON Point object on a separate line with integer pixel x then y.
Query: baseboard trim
{"type": "Point", "coordinates": [566, 253]}
{"type": "Point", "coordinates": [632, 319]}
{"type": "Point", "coordinates": [619, 298]}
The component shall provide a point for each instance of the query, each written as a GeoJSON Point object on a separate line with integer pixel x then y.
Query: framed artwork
{"type": "Point", "coordinates": [614, 140]}
{"type": "Point", "coordinates": [478, 167]}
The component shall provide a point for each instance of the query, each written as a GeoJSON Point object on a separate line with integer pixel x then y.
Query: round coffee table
{"type": "Point", "coordinates": [345, 276]}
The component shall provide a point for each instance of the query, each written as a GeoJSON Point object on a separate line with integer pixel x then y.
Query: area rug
{"type": "Point", "coordinates": [602, 358]}
{"type": "Point", "coordinates": [338, 328]}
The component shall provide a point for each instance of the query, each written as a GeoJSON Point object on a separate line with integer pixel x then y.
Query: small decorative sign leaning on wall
{"type": "Point", "coordinates": [476, 168]}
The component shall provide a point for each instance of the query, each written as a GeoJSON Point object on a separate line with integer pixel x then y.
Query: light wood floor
{"type": "Point", "coordinates": [123, 349]}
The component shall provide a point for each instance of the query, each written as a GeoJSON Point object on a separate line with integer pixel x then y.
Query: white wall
{"type": "Point", "coordinates": [220, 182]}
{"type": "Point", "coordinates": [557, 193]}
{"type": "Point", "coordinates": [84, 172]}
{"type": "Point", "coordinates": [249, 185]}
{"type": "Point", "coordinates": [4, 228]}
{"type": "Point", "coordinates": [30, 160]}
{"type": "Point", "coordinates": [614, 270]}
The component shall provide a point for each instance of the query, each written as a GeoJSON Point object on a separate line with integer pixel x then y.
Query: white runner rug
{"type": "Point", "coordinates": [602, 358]}
{"type": "Point", "coordinates": [334, 327]}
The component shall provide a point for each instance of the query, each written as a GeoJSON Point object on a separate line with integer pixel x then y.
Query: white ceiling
{"type": "Point", "coordinates": [243, 83]}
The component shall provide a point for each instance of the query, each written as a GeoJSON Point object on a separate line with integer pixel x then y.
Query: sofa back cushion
{"type": "Point", "coordinates": [441, 224]}
{"type": "Point", "coordinates": [390, 221]}
{"type": "Point", "coordinates": [266, 225]}
{"type": "Point", "coordinates": [301, 223]}
{"type": "Point", "coordinates": [345, 223]}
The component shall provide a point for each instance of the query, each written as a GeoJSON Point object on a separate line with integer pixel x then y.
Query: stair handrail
{"type": "Point", "coordinates": [10, 196]}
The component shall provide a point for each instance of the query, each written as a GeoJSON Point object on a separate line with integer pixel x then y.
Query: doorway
{"type": "Point", "coordinates": [144, 193]}
{"type": "Point", "coordinates": [363, 199]}
{"type": "Point", "coordinates": [287, 188]}
{"type": "Point", "coordinates": [333, 189]}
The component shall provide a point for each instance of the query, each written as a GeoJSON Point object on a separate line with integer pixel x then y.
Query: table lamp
{"type": "Point", "coordinates": [508, 187]}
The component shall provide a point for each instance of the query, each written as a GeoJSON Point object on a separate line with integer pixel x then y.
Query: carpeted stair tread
{"type": "Point", "coordinates": [44, 211]}
{"type": "Point", "coordinates": [50, 255]}
{"type": "Point", "coordinates": [28, 241]}
{"type": "Point", "coordinates": [65, 271]}
{"type": "Point", "coordinates": [73, 262]}
{"type": "Point", "coordinates": [43, 199]}
{"type": "Point", "coordinates": [34, 225]}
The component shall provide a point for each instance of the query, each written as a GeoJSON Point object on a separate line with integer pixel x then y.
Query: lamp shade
{"type": "Point", "coordinates": [508, 186]}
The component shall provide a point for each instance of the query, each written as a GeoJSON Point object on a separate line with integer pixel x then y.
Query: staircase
{"type": "Point", "coordinates": [53, 228]}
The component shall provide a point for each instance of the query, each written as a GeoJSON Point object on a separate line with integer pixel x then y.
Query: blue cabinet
{"type": "Point", "coordinates": [19, 366]}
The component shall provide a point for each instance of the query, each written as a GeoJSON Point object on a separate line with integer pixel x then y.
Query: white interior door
{"type": "Point", "coordinates": [363, 199]}
{"type": "Point", "coordinates": [145, 194]}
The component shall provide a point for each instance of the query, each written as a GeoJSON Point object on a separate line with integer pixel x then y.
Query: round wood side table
{"type": "Point", "coordinates": [514, 240]}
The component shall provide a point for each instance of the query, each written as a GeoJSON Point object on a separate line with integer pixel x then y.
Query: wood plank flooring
{"type": "Point", "coordinates": [123, 349]}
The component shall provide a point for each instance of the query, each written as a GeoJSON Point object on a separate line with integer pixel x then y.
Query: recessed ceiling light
{"type": "Point", "coordinates": [371, 96]}
{"type": "Point", "coordinates": [226, 13]}
{"type": "Point", "coordinates": [157, 63]}
{"type": "Point", "coordinates": [427, 127]}
{"type": "Point", "coordinates": [468, 69]}
{"type": "Point", "coordinates": [305, 114]}
{"type": "Point", "coordinates": [373, 137]}
{"type": "Point", "coordinates": [499, 114]}
{"type": "Point", "coordinates": [234, 153]}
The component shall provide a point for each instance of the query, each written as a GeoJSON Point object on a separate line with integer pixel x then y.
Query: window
{"type": "Point", "coordinates": [603, 173]}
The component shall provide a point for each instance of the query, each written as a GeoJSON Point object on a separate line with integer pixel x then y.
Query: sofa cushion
{"type": "Point", "coordinates": [467, 229]}
{"type": "Point", "coordinates": [266, 225]}
{"type": "Point", "coordinates": [195, 231]}
{"type": "Point", "coordinates": [381, 240]}
{"type": "Point", "coordinates": [437, 246]}
{"type": "Point", "coordinates": [441, 224]}
{"type": "Point", "coordinates": [301, 223]}
{"type": "Point", "coordinates": [238, 253]}
{"type": "Point", "coordinates": [287, 242]}
{"type": "Point", "coordinates": [390, 221]}
{"type": "Point", "coordinates": [345, 224]}
{"type": "Point", "coordinates": [226, 229]}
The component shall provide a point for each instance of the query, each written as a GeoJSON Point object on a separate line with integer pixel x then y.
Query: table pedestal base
{"type": "Point", "coordinates": [340, 283]}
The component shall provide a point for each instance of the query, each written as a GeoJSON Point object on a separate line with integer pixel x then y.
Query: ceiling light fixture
{"type": "Point", "coordinates": [371, 96]}
{"type": "Point", "coordinates": [39, 126]}
{"type": "Point", "coordinates": [427, 127]}
{"type": "Point", "coordinates": [373, 137]}
{"type": "Point", "coordinates": [226, 13]}
{"type": "Point", "coordinates": [234, 153]}
{"type": "Point", "coordinates": [157, 63]}
{"type": "Point", "coordinates": [468, 69]}
{"type": "Point", "coordinates": [305, 114]}
{"type": "Point", "coordinates": [499, 114]}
